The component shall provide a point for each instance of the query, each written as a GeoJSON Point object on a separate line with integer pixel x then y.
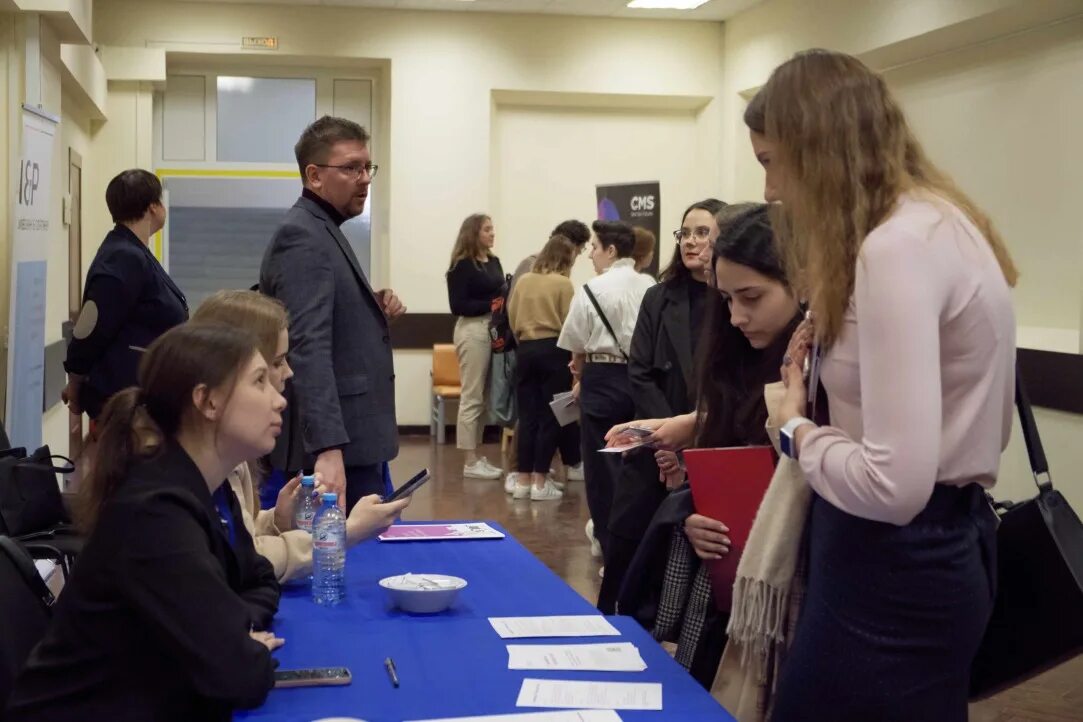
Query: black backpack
{"type": "Point", "coordinates": [500, 334]}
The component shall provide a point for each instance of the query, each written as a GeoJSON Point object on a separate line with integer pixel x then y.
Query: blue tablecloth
{"type": "Point", "coordinates": [452, 664]}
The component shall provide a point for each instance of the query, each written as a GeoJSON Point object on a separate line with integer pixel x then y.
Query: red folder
{"type": "Point", "coordinates": [728, 485]}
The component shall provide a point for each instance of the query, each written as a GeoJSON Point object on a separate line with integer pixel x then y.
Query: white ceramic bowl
{"type": "Point", "coordinates": [423, 593]}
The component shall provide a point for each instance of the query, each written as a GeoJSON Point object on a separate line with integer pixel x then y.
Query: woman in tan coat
{"type": "Point", "coordinates": [288, 549]}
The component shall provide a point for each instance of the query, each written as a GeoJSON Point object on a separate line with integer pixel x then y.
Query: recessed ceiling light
{"type": "Point", "coordinates": [666, 4]}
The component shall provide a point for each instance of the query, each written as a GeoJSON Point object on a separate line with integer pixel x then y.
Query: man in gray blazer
{"type": "Point", "coordinates": [342, 406]}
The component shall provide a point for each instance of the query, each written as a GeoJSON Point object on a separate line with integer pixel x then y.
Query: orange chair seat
{"type": "Point", "coordinates": [447, 392]}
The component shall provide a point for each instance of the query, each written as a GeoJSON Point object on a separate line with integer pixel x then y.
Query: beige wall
{"type": "Point", "coordinates": [444, 69]}
{"type": "Point", "coordinates": [993, 91]}
{"type": "Point", "coordinates": [11, 93]}
{"type": "Point", "coordinates": [1003, 119]}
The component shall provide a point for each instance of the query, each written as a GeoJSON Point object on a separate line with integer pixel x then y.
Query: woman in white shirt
{"type": "Point", "coordinates": [599, 338]}
{"type": "Point", "coordinates": [908, 284]}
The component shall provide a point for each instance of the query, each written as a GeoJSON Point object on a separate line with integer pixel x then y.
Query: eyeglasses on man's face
{"type": "Point", "coordinates": [353, 171]}
{"type": "Point", "coordinates": [700, 233]}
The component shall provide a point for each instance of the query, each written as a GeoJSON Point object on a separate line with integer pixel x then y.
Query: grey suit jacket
{"type": "Point", "coordinates": [343, 391]}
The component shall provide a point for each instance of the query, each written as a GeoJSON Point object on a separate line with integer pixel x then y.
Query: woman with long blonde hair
{"type": "Point", "coordinates": [914, 332]}
{"type": "Point", "coordinates": [475, 279]}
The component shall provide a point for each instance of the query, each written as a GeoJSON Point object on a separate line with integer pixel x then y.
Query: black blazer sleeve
{"type": "Point", "coordinates": [650, 400]}
{"type": "Point", "coordinates": [177, 588]}
{"type": "Point", "coordinates": [114, 293]}
{"type": "Point", "coordinates": [302, 278]}
{"type": "Point", "coordinates": [261, 590]}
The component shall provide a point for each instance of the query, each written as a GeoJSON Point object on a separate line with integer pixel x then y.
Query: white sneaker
{"type": "Point", "coordinates": [595, 547]}
{"type": "Point", "coordinates": [485, 462]}
{"type": "Point", "coordinates": [509, 482]}
{"type": "Point", "coordinates": [575, 473]}
{"type": "Point", "coordinates": [478, 470]}
{"type": "Point", "coordinates": [558, 484]}
{"type": "Point", "coordinates": [521, 491]}
{"type": "Point", "coordinates": [549, 492]}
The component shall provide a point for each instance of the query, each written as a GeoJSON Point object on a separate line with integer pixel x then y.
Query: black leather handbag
{"type": "Point", "coordinates": [30, 499]}
{"type": "Point", "coordinates": [1037, 619]}
{"type": "Point", "coordinates": [32, 509]}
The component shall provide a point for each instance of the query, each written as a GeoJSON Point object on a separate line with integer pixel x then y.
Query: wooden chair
{"type": "Point", "coordinates": [445, 385]}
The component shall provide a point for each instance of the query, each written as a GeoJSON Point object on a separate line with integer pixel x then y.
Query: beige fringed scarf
{"type": "Point", "coordinates": [769, 587]}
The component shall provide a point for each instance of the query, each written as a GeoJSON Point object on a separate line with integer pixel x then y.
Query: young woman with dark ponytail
{"type": "Point", "coordinates": [161, 616]}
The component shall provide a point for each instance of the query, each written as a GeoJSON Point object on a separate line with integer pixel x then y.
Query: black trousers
{"type": "Point", "coordinates": [568, 440]}
{"type": "Point", "coordinates": [362, 481]}
{"type": "Point", "coordinates": [541, 371]}
{"type": "Point", "coordinates": [637, 495]}
{"type": "Point", "coordinates": [893, 615]}
{"type": "Point", "coordinates": [605, 400]}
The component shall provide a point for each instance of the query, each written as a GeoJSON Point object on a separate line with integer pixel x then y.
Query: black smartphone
{"type": "Point", "coordinates": [409, 487]}
{"type": "Point", "coordinates": [316, 677]}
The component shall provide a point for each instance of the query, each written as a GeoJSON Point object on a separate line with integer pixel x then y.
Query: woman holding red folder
{"type": "Point", "coordinates": [751, 314]}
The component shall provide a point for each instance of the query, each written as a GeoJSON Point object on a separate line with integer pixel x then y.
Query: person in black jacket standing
{"type": "Point", "coordinates": [129, 299]}
{"type": "Point", "coordinates": [160, 619]}
{"type": "Point", "coordinates": [662, 376]}
{"type": "Point", "coordinates": [475, 279]}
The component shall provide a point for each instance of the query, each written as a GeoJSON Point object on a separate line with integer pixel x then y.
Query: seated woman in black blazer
{"type": "Point", "coordinates": [159, 619]}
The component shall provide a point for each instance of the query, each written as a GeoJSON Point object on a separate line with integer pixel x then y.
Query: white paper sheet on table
{"type": "Point", "coordinates": [590, 695]}
{"type": "Point", "coordinates": [586, 625]}
{"type": "Point", "coordinates": [613, 657]}
{"type": "Point", "coordinates": [586, 715]}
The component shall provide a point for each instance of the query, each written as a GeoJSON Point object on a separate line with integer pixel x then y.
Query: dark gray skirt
{"type": "Point", "coordinates": [893, 615]}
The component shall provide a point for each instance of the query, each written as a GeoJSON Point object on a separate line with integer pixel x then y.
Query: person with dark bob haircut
{"type": "Point", "coordinates": [598, 332]}
{"type": "Point", "coordinates": [129, 300]}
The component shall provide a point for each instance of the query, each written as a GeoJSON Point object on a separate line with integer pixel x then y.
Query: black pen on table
{"type": "Point", "coordinates": [389, 665]}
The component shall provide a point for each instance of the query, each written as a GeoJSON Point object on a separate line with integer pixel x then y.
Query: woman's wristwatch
{"type": "Point", "coordinates": [786, 440]}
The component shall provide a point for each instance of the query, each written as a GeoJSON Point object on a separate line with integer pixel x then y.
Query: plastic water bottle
{"type": "Point", "coordinates": [307, 506]}
{"type": "Point", "coordinates": [329, 553]}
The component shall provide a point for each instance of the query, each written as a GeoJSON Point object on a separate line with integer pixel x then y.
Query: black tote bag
{"type": "Point", "coordinates": [1037, 619]}
{"type": "Point", "coordinates": [30, 499]}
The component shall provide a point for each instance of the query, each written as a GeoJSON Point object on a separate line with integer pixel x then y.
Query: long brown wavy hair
{"type": "Point", "coordinates": [847, 154]}
{"type": "Point", "coordinates": [468, 243]}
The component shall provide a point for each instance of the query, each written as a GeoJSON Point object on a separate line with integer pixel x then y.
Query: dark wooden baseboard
{"type": "Point", "coordinates": [1053, 380]}
{"type": "Point", "coordinates": [416, 331]}
{"type": "Point", "coordinates": [492, 433]}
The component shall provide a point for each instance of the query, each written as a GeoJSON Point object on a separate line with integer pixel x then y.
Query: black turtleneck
{"type": "Point", "coordinates": [337, 218]}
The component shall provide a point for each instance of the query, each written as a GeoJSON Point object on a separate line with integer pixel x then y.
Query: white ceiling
{"type": "Point", "coordinates": [712, 10]}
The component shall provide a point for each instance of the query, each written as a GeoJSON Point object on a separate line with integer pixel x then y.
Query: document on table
{"type": "Point", "coordinates": [586, 625]}
{"type": "Point", "coordinates": [439, 532]}
{"type": "Point", "coordinates": [586, 715]}
{"type": "Point", "coordinates": [615, 657]}
{"type": "Point", "coordinates": [590, 695]}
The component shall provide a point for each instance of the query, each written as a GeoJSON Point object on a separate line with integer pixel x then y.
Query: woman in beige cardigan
{"type": "Point", "coordinates": [288, 549]}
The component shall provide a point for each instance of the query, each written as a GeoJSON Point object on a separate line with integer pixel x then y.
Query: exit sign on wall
{"type": "Point", "coordinates": [270, 43]}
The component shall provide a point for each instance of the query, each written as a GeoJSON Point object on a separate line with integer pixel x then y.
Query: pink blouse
{"type": "Point", "coordinates": [920, 382]}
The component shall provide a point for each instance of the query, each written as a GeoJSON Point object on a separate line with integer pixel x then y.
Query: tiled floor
{"type": "Point", "coordinates": [553, 531]}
